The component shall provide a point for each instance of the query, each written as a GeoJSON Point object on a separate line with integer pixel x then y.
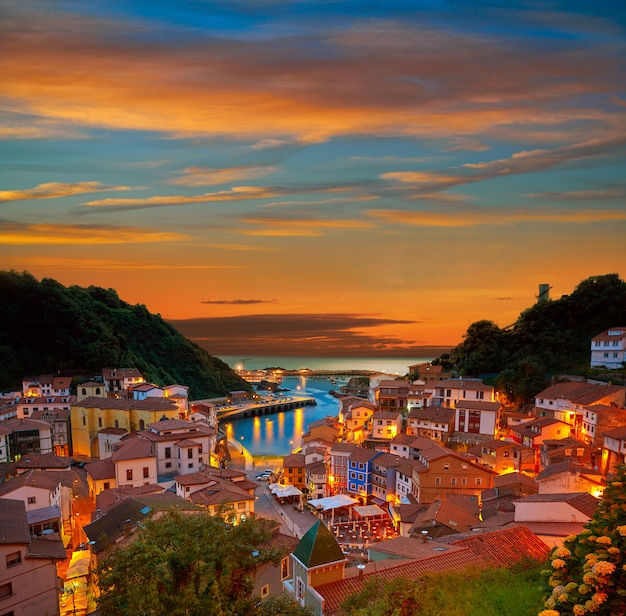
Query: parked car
{"type": "Point", "coordinates": [265, 475]}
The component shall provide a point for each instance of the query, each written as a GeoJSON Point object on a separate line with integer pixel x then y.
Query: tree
{"type": "Point", "coordinates": [187, 564]}
{"type": "Point", "coordinates": [588, 573]}
{"type": "Point", "coordinates": [481, 350]}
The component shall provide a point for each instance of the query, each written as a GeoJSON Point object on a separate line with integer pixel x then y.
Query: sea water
{"type": "Point", "coordinates": [281, 433]}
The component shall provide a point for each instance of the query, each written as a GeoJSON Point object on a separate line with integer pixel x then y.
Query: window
{"type": "Point", "coordinates": [6, 590]}
{"type": "Point", "coordinates": [479, 481]}
{"type": "Point", "coordinates": [97, 391]}
{"type": "Point", "coordinates": [189, 453]}
{"type": "Point", "coordinates": [168, 452]}
{"type": "Point", "coordinates": [107, 485]}
{"type": "Point", "coordinates": [265, 591]}
{"type": "Point", "coordinates": [142, 424]}
{"type": "Point", "coordinates": [300, 590]}
{"type": "Point", "coordinates": [14, 558]}
{"type": "Point", "coordinates": [129, 474]}
{"type": "Point", "coordinates": [284, 568]}
{"type": "Point", "coordinates": [146, 472]}
{"type": "Point", "coordinates": [32, 500]}
{"type": "Point", "coordinates": [116, 423]}
{"type": "Point", "coordinates": [446, 467]}
{"type": "Point", "coordinates": [84, 420]}
{"type": "Point", "coordinates": [463, 481]}
{"type": "Point", "coordinates": [453, 481]}
{"type": "Point", "coordinates": [168, 465]}
{"type": "Point", "coordinates": [83, 391]}
{"type": "Point", "coordinates": [437, 481]}
{"type": "Point", "coordinates": [99, 422]}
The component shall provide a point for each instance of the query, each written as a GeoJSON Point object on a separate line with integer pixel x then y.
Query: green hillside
{"type": "Point", "coordinates": [551, 337]}
{"type": "Point", "coordinates": [48, 328]}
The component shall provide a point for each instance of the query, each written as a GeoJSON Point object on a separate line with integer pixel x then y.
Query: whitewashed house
{"type": "Point", "coordinates": [608, 349]}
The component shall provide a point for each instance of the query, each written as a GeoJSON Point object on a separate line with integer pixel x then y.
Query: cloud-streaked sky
{"type": "Point", "coordinates": [315, 177]}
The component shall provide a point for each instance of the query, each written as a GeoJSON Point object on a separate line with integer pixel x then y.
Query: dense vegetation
{"type": "Point", "coordinates": [492, 592]}
{"type": "Point", "coordinates": [48, 328]}
{"type": "Point", "coordinates": [588, 573]}
{"type": "Point", "coordinates": [191, 565]}
{"type": "Point", "coordinates": [551, 337]}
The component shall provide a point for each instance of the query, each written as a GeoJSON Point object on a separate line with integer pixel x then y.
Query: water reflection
{"type": "Point", "coordinates": [271, 434]}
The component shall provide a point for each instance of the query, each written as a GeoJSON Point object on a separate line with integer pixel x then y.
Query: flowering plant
{"type": "Point", "coordinates": [588, 574]}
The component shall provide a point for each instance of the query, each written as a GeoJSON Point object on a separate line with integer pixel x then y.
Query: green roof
{"type": "Point", "coordinates": [318, 547]}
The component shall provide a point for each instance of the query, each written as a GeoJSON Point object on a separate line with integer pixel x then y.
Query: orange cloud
{"type": "Point", "coordinates": [91, 265]}
{"type": "Point", "coordinates": [291, 227]}
{"type": "Point", "coordinates": [54, 190]}
{"type": "Point", "coordinates": [205, 176]}
{"type": "Point", "coordinates": [388, 79]}
{"type": "Point", "coordinates": [237, 193]}
{"type": "Point", "coordinates": [51, 234]}
{"type": "Point", "coordinates": [473, 218]}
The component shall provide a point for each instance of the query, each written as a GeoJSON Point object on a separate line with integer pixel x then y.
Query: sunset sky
{"type": "Point", "coordinates": [315, 177]}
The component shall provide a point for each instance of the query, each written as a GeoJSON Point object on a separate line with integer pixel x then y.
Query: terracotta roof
{"type": "Point", "coordinates": [126, 515]}
{"type": "Point", "coordinates": [187, 442]}
{"type": "Point", "coordinates": [317, 547]}
{"type": "Point", "coordinates": [49, 548]}
{"type": "Point", "coordinates": [617, 433]}
{"type": "Point", "coordinates": [132, 449]}
{"type": "Point", "coordinates": [171, 424]}
{"type": "Point", "coordinates": [343, 447]}
{"type": "Point", "coordinates": [411, 547]}
{"type": "Point", "coordinates": [583, 501]}
{"type": "Point", "coordinates": [220, 491]}
{"type": "Point", "coordinates": [512, 478]}
{"type": "Point", "coordinates": [566, 466]}
{"type": "Point", "coordinates": [14, 527]}
{"type": "Point", "coordinates": [605, 334]}
{"type": "Point", "coordinates": [363, 455]}
{"type": "Point", "coordinates": [391, 415]}
{"type": "Point", "coordinates": [114, 431]}
{"type": "Point", "coordinates": [19, 425]}
{"type": "Point", "coordinates": [43, 514]}
{"type": "Point", "coordinates": [445, 513]}
{"type": "Point", "coordinates": [316, 468]}
{"type": "Point", "coordinates": [44, 461]}
{"type": "Point", "coordinates": [579, 393]}
{"type": "Point", "coordinates": [101, 469]}
{"type": "Point", "coordinates": [432, 413]}
{"type": "Point", "coordinates": [294, 460]}
{"type": "Point", "coordinates": [499, 548]}
{"type": "Point", "coordinates": [481, 405]}
{"type": "Point", "coordinates": [467, 384]}
{"type": "Point", "coordinates": [120, 373]}
{"type": "Point", "coordinates": [45, 480]}
{"type": "Point", "coordinates": [126, 404]}
{"type": "Point", "coordinates": [113, 496]}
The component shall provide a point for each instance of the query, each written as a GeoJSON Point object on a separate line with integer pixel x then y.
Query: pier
{"type": "Point", "coordinates": [252, 408]}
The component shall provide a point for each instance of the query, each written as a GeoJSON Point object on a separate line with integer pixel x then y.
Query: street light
{"type": "Point", "coordinates": [290, 446]}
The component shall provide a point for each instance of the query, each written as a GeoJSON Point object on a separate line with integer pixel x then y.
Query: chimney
{"type": "Point", "coordinates": [360, 567]}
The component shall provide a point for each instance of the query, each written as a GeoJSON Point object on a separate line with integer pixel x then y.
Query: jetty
{"type": "Point", "coordinates": [268, 406]}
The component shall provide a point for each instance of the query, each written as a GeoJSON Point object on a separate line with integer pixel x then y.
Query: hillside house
{"type": "Point", "coordinates": [477, 417]}
{"type": "Point", "coordinates": [608, 349]}
{"type": "Point", "coordinates": [444, 471]}
{"type": "Point", "coordinates": [391, 395]}
{"type": "Point", "coordinates": [118, 380]}
{"type": "Point", "coordinates": [28, 436]}
{"type": "Point", "coordinates": [385, 425]}
{"type": "Point", "coordinates": [452, 391]}
{"type": "Point", "coordinates": [46, 385]}
{"type": "Point", "coordinates": [432, 422]}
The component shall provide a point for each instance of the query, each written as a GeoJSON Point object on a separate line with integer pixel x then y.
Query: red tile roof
{"type": "Point", "coordinates": [502, 548]}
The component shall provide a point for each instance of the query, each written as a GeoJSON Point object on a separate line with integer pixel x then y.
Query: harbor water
{"type": "Point", "coordinates": [281, 433]}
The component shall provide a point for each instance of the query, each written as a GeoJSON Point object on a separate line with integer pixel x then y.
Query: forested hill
{"type": "Point", "coordinates": [552, 336]}
{"type": "Point", "coordinates": [48, 328]}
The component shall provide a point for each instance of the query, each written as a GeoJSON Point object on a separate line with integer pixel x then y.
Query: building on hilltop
{"type": "Point", "coordinates": [608, 349]}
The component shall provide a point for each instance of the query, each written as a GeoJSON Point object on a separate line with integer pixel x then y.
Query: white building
{"type": "Point", "coordinates": [608, 349]}
{"type": "Point", "coordinates": [452, 391]}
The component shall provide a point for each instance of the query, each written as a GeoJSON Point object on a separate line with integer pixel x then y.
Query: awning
{"type": "Point", "coordinates": [79, 565]}
{"type": "Point", "coordinates": [284, 491]}
{"type": "Point", "coordinates": [333, 502]}
{"type": "Point", "coordinates": [369, 511]}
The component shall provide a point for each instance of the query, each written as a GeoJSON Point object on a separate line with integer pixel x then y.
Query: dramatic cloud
{"type": "Point", "coordinates": [320, 334]}
{"type": "Point", "coordinates": [54, 190]}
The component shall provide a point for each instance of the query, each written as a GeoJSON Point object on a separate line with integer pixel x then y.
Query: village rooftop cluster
{"type": "Point", "coordinates": [404, 480]}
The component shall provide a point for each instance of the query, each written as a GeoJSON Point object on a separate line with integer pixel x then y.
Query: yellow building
{"type": "Point", "coordinates": [93, 414]}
